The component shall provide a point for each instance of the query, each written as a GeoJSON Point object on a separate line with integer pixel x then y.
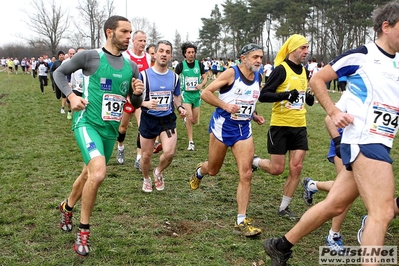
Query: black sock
{"type": "Point", "coordinates": [121, 137]}
{"type": "Point", "coordinates": [284, 245]}
{"type": "Point", "coordinates": [67, 207]}
{"type": "Point", "coordinates": [84, 226]}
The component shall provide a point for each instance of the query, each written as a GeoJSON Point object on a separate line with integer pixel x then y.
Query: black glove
{"type": "Point", "coordinates": [309, 99]}
{"type": "Point", "coordinates": [337, 146]}
{"type": "Point", "coordinates": [291, 96]}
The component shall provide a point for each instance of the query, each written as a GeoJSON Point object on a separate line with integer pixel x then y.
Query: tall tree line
{"type": "Point", "coordinates": [331, 26]}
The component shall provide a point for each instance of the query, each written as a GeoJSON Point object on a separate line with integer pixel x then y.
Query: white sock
{"type": "Point", "coordinates": [312, 185]}
{"type": "Point", "coordinates": [199, 174]}
{"type": "Point", "coordinates": [121, 147]}
{"type": "Point", "coordinates": [156, 172]}
{"type": "Point", "coordinates": [240, 218]}
{"type": "Point", "coordinates": [255, 162]}
{"type": "Point", "coordinates": [138, 157]}
{"type": "Point", "coordinates": [333, 234]}
{"type": "Point", "coordinates": [285, 202]}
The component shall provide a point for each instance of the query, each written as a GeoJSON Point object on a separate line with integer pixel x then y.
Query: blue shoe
{"type": "Point", "coordinates": [361, 229]}
{"type": "Point", "coordinates": [335, 243]}
{"type": "Point", "coordinates": [307, 193]}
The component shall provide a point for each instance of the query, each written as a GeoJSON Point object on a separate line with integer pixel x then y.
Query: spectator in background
{"type": "Point", "coordinates": [311, 66]}
{"type": "Point", "coordinates": [342, 83]}
{"type": "Point", "coordinates": [174, 64]}
{"type": "Point", "coordinates": [268, 68]}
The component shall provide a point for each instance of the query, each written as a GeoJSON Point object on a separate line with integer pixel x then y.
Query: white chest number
{"type": "Point", "coordinates": [191, 83]}
{"type": "Point", "coordinates": [246, 110]}
{"type": "Point", "coordinates": [386, 120]}
{"type": "Point", "coordinates": [112, 107]}
{"type": "Point", "coordinates": [164, 99]}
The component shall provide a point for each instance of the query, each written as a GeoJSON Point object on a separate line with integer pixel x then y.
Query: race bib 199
{"type": "Point", "coordinates": [112, 107]}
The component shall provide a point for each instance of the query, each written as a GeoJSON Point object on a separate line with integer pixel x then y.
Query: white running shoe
{"type": "Point", "coordinates": [147, 185]}
{"type": "Point", "coordinates": [159, 183]}
{"type": "Point", "coordinates": [191, 146]}
{"type": "Point", "coordinates": [120, 156]}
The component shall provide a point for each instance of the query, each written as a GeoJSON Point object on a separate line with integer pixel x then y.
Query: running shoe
{"type": "Point", "coordinates": [69, 115]}
{"type": "Point", "coordinates": [137, 165]}
{"type": "Point", "coordinates": [191, 146]}
{"type": "Point", "coordinates": [147, 185]}
{"type": "Point", "coordinates": [120, 156]}
{"type": "Point", "coordinates": [157, 147]}
{"type": "Point", "coordinates": [307, 193]}
{"type": "Point", "coordinates": [361, 229]}
{"type": "Point", "coordinates": [335, 243]}
{"type": "Point", "coordinates": [195, 180]}
{"type": "Point", "coordinates": [277, 257]}
{"type": "Point", "coordinates": [246, 228]}
{"type": "Point", "coordinates": [158, 180]}
{"type": "Point", "coordinates": [62, 111]}
{"type": "Point", "coordinates": [66, 224]}
{"type": "Point", "coordinates": [81, 245]}
{"type": "Point", "coordinates": [286, 213]}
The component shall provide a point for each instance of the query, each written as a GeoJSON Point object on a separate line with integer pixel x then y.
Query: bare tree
{"type": "Point", "coordinates": [94, 16]}
{"type": "Point", "coordinates": [49, 21]}
{"type": "Point", "coordinates": [141, 24]}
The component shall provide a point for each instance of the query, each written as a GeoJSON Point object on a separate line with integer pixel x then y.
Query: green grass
{"type": "Point", "coordinates": [40, 160]}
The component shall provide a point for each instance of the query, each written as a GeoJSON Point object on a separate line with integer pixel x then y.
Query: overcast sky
{"type": "Point", "coordinates": [168, 15]}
